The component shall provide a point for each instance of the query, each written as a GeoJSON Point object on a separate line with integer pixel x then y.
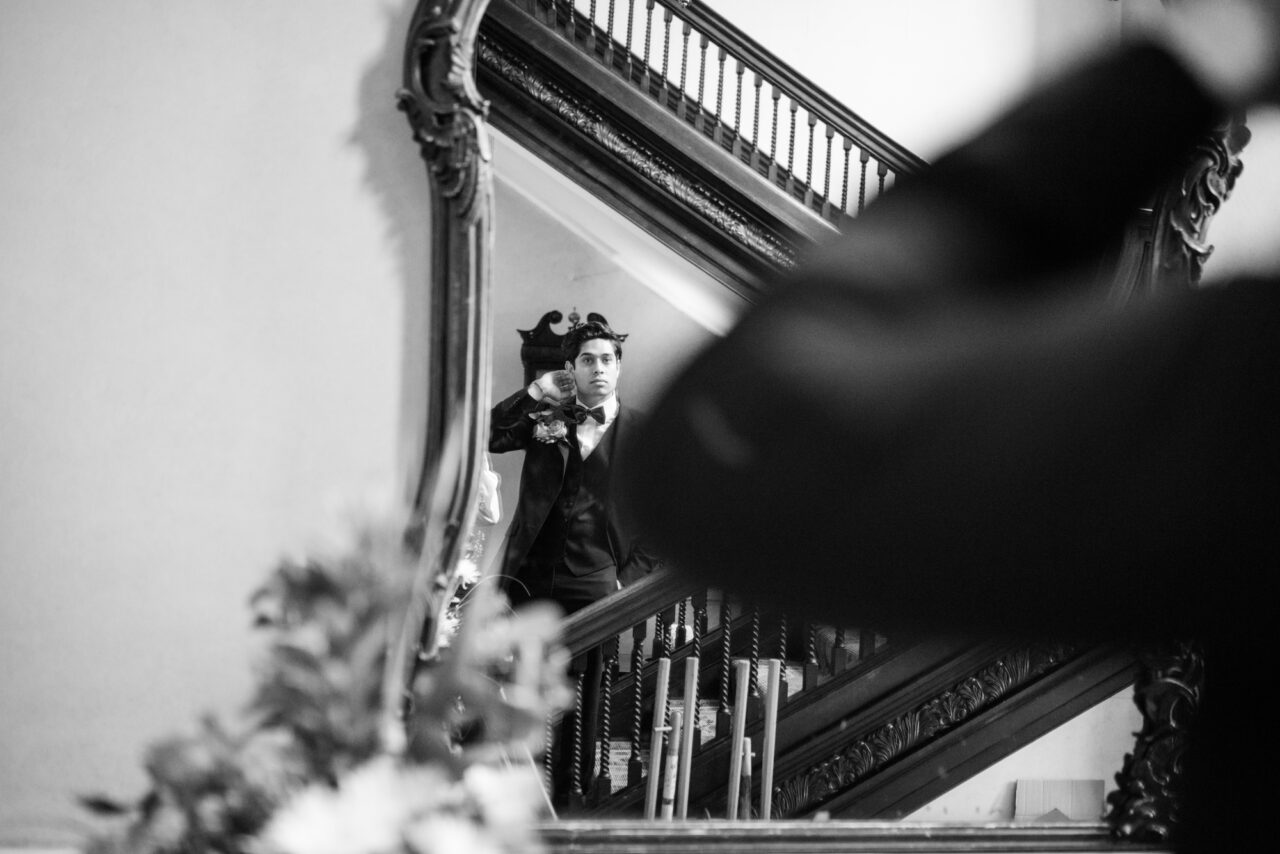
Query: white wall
{"type": "Point", "coordinates": [204, 294]}
{"type": "Point", "coordinates": [931, 72]}
{"type": "Point", "coordinates": [923, 71]}
{"type": "Point", "coordinates": [1090, 746]}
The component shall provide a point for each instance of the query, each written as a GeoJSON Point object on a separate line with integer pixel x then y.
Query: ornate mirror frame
{"type": "Point", "coordinates": [448, 118]}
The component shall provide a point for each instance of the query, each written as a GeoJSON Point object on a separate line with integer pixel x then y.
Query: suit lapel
{"type": "Point", "coordinates": [620, 422]}
{"type": "Point", "coordinates": [564, 448]}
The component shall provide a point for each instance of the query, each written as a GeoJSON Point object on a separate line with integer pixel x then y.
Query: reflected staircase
{"type": "Point", "coordinates": [692, 130]}
{"type": "Point", "coordinates": [864, 722]}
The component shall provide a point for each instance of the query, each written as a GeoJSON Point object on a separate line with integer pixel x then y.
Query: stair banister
{"type": "Point", "coordinates": [811, 96]}
{"type": "Point", "coordinates": [633, 604]}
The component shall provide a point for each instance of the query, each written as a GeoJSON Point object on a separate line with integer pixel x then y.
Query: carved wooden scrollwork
{"type": "Point", "coordinates": [1186, 208]}
{"type": "Point", "coordinates": [447, 116]}
{"type": "Point", "coordinates": [663, 176]}
{"type": "Point", "coordinates": [448, 120]}
{"type": "Point", "coordinates": [1168, 246]}
{"type": "Point", "coordinates": [809, 789]}
{"type": "Point", "coordinates": [1147, 805]}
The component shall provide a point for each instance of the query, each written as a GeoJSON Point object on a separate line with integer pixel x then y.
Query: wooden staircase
{"type": "Point", "coordinates": [689, 128]}
{"type": "Point", "coordinates": [685, 125]}
{"type": "Point", "coordinates": [860, 734]}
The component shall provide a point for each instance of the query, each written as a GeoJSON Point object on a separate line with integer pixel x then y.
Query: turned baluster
{"type": "Point", "coordinates": [791, 149]}
{"type": "Point", "coordinates": [863, 157]}
{"type": "Point", "coordinates": [608, 32]}
{"type": "Point", "coordinates": [773, 137]}
{"type": "Point", "coordinates": [681, 623]}
{"type": "Point", "coordinates": [635, 767]}
{"type": "Point", "coordinates": [782, 656]}
{"type": "Point", "coordinates": [666, 620]}
{"type": "Point", "coordinates": [699, 601]}
{"type": "Point", "coordinates": [646, 78]}
{"type": "Point", "coordinates": [666, 50]}
{"type": "Point", "coordinates": [703, 44]}
{"type": "Point", "coordinates": [628, 56]}
{"type": "Point", "coordinates": [660, 647]}
{"type": "Point", "coordinates": [826, 183]}
{"type": "Point", "coordinates": [591, 28]}
{"type": "Point", "coordinates": [837, 652]}
{"type": "Point", "coordinates": [882, 169]}
{"type": "Point", "coordinates": [754, 658]}
{"type": "Point", "coordinates": [576, 794]}
{"type": "Point", "coordinates": [604, 781]}
{"type": "Point", "coordinates": [681, 97]}
{"type": "Point", "coordinates": [808, 177]}
{"type": "Point", "coordinates": [755, 123]}
{"type": "Point", "coordinates": [739, 70]}
{"type": "Point", "coordinates": [718, 132]}
{"type": "Point", "coordinates": [726, 664]}
{"type": "Point", "coordinates": [844, 184]}
{"type": "Point", "coordinates": [699, 632]}
{"type": "Point", "coordinates": [811, 659]}
{"type": "Point", "coordinates": [549, 745]}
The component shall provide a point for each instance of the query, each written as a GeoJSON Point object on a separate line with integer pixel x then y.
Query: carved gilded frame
{"type": "Point", "coordinates": [448, 118]}
{"type": "Point", "coordinates": [447, 115]}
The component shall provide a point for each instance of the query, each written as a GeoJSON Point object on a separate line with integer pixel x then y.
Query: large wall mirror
{"type": "Point", "coordinates": [512, 240]}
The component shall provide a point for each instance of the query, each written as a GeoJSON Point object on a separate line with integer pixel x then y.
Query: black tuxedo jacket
{"type": "Point", "coordinates": [511, 429]}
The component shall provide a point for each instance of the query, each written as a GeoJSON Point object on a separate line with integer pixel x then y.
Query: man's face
{"type": "Point", "coordinates": [595, 370]}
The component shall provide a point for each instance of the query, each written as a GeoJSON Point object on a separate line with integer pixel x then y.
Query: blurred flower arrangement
{"type": "Point", "coordinates": [305, 770]}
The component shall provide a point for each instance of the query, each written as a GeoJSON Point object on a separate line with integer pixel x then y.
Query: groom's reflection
{"type": "Point", "coordinates": [566, 542]}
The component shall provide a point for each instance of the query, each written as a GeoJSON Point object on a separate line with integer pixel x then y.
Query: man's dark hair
{"type": "Point", "coordinates": [584, 332]}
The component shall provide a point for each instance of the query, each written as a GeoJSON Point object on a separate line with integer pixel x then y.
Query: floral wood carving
{"type": "Point", "coordinates": [442, 102]}
{"type": "Point", "coordinates": [819, 783]}
{"type": "Point", "coordinates": [1184, 211]}
{"type": "Point", "coordinates": [1147, 805]}
{"type": "Point", "coordinates": [660, 173]}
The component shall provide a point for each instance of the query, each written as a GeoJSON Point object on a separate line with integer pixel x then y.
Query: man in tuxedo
{"type": "Point", "coordinates": [944, 424]}
{"type": "Point", "coordinates": [566, 542]}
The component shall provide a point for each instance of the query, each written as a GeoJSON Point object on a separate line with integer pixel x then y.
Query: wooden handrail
{"type": "Point", "coordinates": [635, 603]}
{"type": "Point", "coordinates": [796, 137]}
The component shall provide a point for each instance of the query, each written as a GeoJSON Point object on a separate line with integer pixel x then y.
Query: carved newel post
{"type": "Point", "coordinates": [1185, 209]}
{"type": "Point", "coordinates": [1168, 246]}
{"type": "Point", "coordinates": [447, 116]}
{"type": "Point", "coordinates": [1148, 804]}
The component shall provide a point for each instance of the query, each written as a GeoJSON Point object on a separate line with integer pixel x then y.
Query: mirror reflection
{"type": "Point", "coordinates": [558, 251]}
{"type": "Point", "coordinates": [563, 253]}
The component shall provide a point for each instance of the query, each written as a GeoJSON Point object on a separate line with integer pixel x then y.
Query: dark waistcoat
{"type": "Point", "coordinates": [575, 534]}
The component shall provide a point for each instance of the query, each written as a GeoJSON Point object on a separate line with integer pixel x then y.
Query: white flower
{"type": "Point", "coordinates": [369, 813]}
{"type": "Point", "coordinates": [441, 833]}
{"type": "Point", "coordinates": [468, 572]}
{"type": "Point", "coordinates": [550, 432]}
{"type": "Point", "coordinates": [508, 798]}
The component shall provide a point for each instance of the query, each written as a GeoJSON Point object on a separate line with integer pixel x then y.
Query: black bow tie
{"type": "Point", "coordinates": [579, 413]}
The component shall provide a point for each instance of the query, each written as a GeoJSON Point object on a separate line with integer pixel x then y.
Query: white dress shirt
{"type": "Point", "coordinates": [590, 431]}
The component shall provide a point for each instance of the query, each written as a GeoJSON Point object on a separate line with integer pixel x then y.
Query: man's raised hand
{"type": "Point", "coordinates": [557, 386]}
